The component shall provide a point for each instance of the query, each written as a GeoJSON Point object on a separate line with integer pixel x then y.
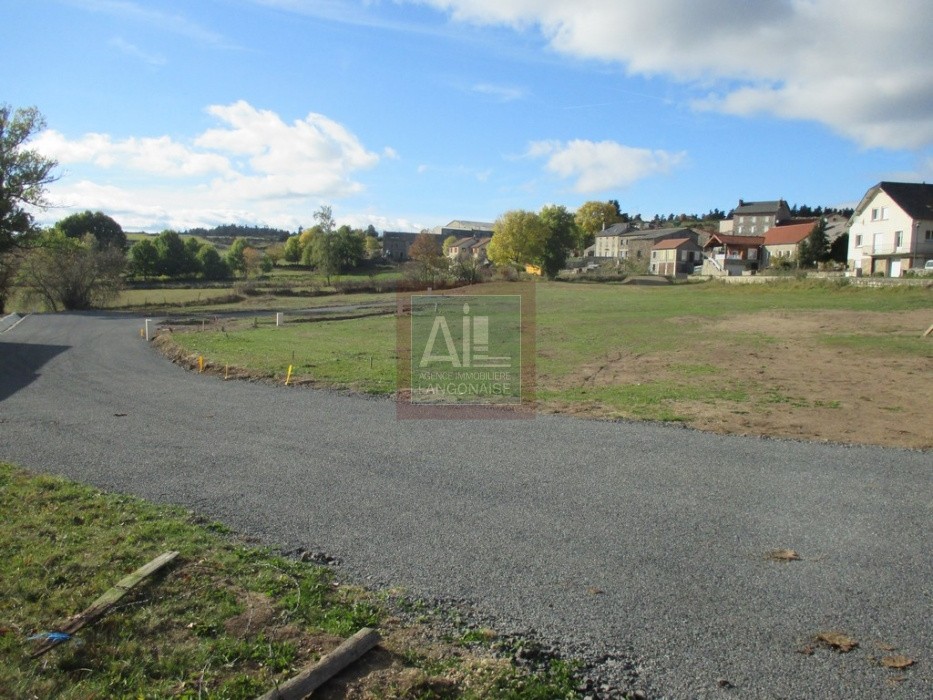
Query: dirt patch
{"type": "Point", "coordinates": [837, 641]}
{"type": "Point", "coordinates": [783, 374]}
{"type": "Point", "coordinates": [783, 555]}
{"type": "Point", "coordinates": [257, 615]}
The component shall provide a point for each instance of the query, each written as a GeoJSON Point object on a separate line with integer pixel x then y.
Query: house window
{"type": "Point", "coordinates": [654, 255]}
{"type": "Point", "coordinates": [929, 235]}
{"type": "Point", "coordinates": [877, 243]}
{"type": "Point", "coordinates": [858, 240]}
{"type": "Point", "coordinates": [874, 215]}
{"type": "Point", "coordinates": [898, 239]}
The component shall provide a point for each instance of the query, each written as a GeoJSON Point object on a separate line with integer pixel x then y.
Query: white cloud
{"type": "Point", "coordinates": [252, 167]}
{"type": "Point", "coordinates": [862, 67]}
{"type": "Point", "coordinates": [173, 23]}
{"type": "Point", "coordinates": [155, 156]}
{"type": "Point", "coordinates": [502, 93]}
{"type": "Point", "coordinates": [132, 50]}
{"type": "Point", "coordinates": [604, 165]}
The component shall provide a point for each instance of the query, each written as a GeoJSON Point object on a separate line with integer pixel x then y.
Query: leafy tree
{"type": "Point", "coordinates": [292, 251]}
{"type": "Point", "coordinates": [324, 254]}
{"type": "Point", "coordinates": [190, 265]}
{"type": "Point", "coordinates": [562, 235]}
{"type": "Point", "coordinates": [67, 273]}
{"type": "Point", "coordinates": [519, 237]}
{"type": "Point", "coordinates": [592, 217]}
{"type": "Point", "coordinates": [815, 247]}
{"type": "Point", "coordinates": [324, 219]}
{"type": "Point", "coordinates": [144, 258]}
{"type": "Point", "coordinates": [173, 256]}
{"type": "Point", "coordinates": [449, 241]}
{"type": "Point", "coordinates": [428, 256]}
{"type": "Point", "coordinates": [467, 269]}
{"type": "Point", "coordinates": [105, 230]}
{"type": "Point", "coordinates": [252, 261]}
{"type": "Point", "coordinates": [839, 248]}
{"type": "Point", "coordinates": [236, 259]}
{"type": "Point", "coordinates": [212, 265]}
{"type": "Point", "coordinates": [350, 248]}
{"type": "Point", "coordinates": [9, 266]}
{"type": "Point", "coordinates": [306, 236]}
{"type": "Point", "coordinates": [274, 253]}
{"type": "Point", "coordinates": [24, 175]}
{"type": "Point", "coordinates": [372, 246]}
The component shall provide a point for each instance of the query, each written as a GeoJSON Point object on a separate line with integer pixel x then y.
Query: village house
{"type": "Point", "coordinates": [728, 254]}
{"type": "Point", "coordinates": [396, 244]}
{"type": "Point", "coordinates": [608, 241]}
{"type": "Point", "coordinates": [474, 248]}
{"type": "Point", "coordinates": [624, 242]}
{"type": "Point", "coordinates": [675, 257]}
{"type": "Point", "coordinates": [754, 218]}
{"type": "Point", "coordinates": [784, 241]}
{"type": "Point", "coordinates": [891, 230]}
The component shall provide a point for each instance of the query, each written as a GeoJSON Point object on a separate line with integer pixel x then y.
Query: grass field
{"type": "Point", "coordinates": [226, 619]}
{"type": "Point", "coordinates": [764, 359]}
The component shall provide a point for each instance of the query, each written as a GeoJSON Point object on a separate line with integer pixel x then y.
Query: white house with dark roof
{"type": "Point", "coordinates": [891, 230]}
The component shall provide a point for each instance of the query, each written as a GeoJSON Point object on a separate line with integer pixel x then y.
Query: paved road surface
{"type": "Point", "coordinates": [640, 540]}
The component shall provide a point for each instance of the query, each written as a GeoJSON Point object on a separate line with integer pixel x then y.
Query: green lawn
{"type": "Point", "coordinates": [226, 619]}
{"type": "Point", "coordinates": [576, 324]}
{"type": "Point", "coordinates": [644, 352]}
{"type": "Point", "coordinates": [358, 354]}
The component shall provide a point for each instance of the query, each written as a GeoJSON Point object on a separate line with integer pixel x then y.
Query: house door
{"type": "Point", "coordinates": [896, 268]}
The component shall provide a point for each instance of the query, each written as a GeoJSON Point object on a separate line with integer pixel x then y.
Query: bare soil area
{"type": "Point", "coordinates": [807, 375]}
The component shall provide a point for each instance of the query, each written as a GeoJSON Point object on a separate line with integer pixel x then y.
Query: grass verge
{"type": "Point", "coordinates": [227, 619]}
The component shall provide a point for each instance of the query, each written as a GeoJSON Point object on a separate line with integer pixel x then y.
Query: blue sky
{"type": "Point", "coordinates": [406, 114]}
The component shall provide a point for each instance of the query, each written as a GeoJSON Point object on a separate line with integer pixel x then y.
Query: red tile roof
{"type": "Point", "coordinates": [788, 235]}
{"type": "Point", "coordinates": [670, 243]}
{"type": "Point", "coordinates": [728, 239]}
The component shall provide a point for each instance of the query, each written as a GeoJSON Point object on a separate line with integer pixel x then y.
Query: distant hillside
{"type": "Point", "coordinates": [231, 231]}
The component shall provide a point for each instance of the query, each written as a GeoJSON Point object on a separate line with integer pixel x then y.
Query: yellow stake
{"type": "Point", "coordinates": [226, 371]}
{"type": "Point", "coordinates": [142, 332]}
{"type": "Point", "coordinates": [288, 377]}
{"type": "Point", "coordinates": [200, 363]}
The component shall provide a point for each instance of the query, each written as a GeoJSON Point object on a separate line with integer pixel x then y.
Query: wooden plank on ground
{"type": "Point", "coordinates": [326, 667]}
{"type": "Point", "coordinates": [102, 605]}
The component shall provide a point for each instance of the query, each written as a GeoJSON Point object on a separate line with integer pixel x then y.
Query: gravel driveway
{"type": "Point", "coordinates": [646, 543]}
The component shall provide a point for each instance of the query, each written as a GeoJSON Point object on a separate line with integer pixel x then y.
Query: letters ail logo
{"type": "Point", "coordinates": [475, 345]}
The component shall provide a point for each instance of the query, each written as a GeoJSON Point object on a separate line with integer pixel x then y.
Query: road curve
{"type": "Point", "coordinates": [637, 540]}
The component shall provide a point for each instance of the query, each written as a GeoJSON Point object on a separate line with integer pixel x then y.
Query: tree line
{"type": "Point", "coordinates": [80, 261]}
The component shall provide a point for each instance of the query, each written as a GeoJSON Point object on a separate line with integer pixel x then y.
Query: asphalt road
{"type": "Point", "coordinates": [647, 542]}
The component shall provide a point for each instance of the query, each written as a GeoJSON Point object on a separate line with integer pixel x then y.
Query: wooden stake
{"type": "Point", "coordinates": [326, 667]}
{"type": "Point", "coordinates": [102, 605]}
{"type": "Point", "coordinates": [929, 330]}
